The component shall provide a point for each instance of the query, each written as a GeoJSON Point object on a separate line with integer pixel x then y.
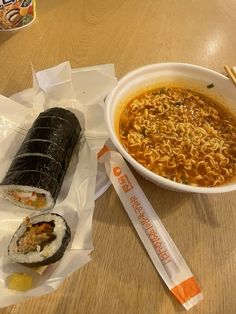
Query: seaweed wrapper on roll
{"type": "Point", "coordinates": [53, 122]}
{"type": "Point", "coordinates": [40, 240]}
{"type": "Point", "coordinates": [53, 135]}
{"type": "Point", "coordinates": [60, 112]}
{"type": "Point", "coordinates": [36, 174]}
{"type": "Point", "coordinates": [41, 163]}
{"type": "Point", "coordinates": [44, 148]}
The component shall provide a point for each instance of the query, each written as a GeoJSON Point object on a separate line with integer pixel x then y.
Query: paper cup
{"type": "Point", "coordinates": [16, 14]}
{"type": "Point", "coordinates": [182, 75]}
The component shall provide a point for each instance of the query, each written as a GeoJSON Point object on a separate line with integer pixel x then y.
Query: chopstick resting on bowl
{"type": "Point", "coordinates": [231, 73]}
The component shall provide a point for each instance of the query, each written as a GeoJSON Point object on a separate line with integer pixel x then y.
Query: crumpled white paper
{"type": "Point", "coordinates": [82, 91]}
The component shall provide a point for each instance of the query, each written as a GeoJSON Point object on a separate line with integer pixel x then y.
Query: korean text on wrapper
{"type": "Point", "coordinates": [163, 252]}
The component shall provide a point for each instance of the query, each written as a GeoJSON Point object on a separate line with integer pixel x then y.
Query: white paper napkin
{"type": "Point", "coordinates": [81, 91]}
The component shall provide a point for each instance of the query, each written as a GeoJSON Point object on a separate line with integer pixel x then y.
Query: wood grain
{"type": "Point", "coordinates": [121, 278]}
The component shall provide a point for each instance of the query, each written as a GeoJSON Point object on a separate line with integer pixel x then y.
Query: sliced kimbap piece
{"type": "Point", "coordinates": [37, 162]}
{"type": "Point", "coordinates": [53, 122]}
{"type": "Point", "coordinates": [62, 113]}
{"type": "Point", "coordinates": [40, 240]}
{"type": "Point", "coordinates": [50, 134]}
{"type": "Point", "coordinates": [65, 144]}
{"type": "Point", "coordinates": [44, 147]}
{"type": "Point", "coordinates": [31, 189]}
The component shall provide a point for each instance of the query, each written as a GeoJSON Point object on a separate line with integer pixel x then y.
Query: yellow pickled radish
{"type": "Point", "coordinates": [20, 282]}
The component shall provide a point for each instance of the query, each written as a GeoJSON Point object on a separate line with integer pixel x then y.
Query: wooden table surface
{"type": "Point", "coordinates": [131, 33]}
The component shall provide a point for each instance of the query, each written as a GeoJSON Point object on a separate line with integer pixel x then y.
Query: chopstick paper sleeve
{"type": "Point", "coordinates": [162, 250]}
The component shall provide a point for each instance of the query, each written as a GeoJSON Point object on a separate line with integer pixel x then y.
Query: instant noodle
{"type": "Point", "coordinates": [16, 14]}
{"type": "Point", "coordinates": [181, 135]}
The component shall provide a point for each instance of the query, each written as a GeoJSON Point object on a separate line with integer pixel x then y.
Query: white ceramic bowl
{"type": "Point", "coordinates": [179, 74]}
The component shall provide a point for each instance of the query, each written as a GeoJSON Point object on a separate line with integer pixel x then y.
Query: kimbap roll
{"type": "Point", "coordinates": [40, 240]}
{"type": "Point", "coordinates": [37, 171]}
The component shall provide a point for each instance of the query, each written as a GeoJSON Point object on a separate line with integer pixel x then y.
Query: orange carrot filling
{"type": "Point", "coordinates": [37, 200]}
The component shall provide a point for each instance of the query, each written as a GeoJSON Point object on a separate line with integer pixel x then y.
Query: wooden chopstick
{"type": "Point", "coordinates": [231, 73]}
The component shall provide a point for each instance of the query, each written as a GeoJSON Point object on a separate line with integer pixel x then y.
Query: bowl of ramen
{"type": "Point", "coordinates": [175, 123]}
